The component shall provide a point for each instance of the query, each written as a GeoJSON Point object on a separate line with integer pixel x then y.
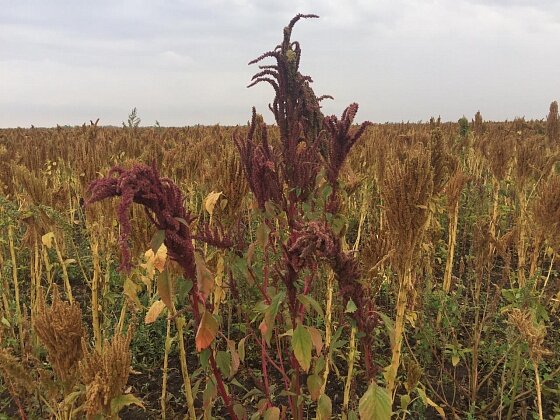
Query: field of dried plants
{"type": "Point", "coordinates": [314, 268]}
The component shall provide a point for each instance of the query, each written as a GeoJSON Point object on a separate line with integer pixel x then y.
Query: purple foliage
{"type": "Point", "coordinates": [163, 202]}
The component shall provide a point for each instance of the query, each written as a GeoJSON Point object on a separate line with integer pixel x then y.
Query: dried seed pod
{"type": "Point", "coordinates": [553, 124]}
{"type": "Point", "coordinates": [478, 127]}
{"type": "Point", "coordinates": [546, 211]}
{"type": "Point", "coordinates": [60, 329]}
{"type": "Point", "coordinates": [532, 332]}
{"type": "Point", "coordinates": [407, 191]}
{"type": "Point", "coordinates": [105, 374]}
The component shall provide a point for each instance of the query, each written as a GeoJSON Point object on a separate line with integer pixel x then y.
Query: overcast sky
{"type": "Point", "coordinates": [185, 62]}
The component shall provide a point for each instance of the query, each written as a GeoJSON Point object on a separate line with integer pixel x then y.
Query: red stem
{"type": "Point", "coordinates": [275, 365]}
{"type": "Point", "coordinates": [367, 354]}
{"type": "Point", "coordinates": [219, 381]}
{"type": "Point", "coordinates": [265, 268]}
{"type": "Point", "coordinates": [20, 409]}
{"type": "Point", "coordinates": [283, 372]}
{"type": "Point", "coordinates": [263, 291]}
{"type": "Point", "coordinates": [221, 387]}
{"type": "Point", "coordinates": [298, 412]}
{"type": "Point", "coordinates": [265, 372]}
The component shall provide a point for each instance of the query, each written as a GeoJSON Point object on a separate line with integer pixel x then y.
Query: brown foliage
{"type": "Point", "coordinates": [407, 190]}
{"type": "Point", "coordinates": [105, 375]}
{"type": "Point", "coordinates": [59, 327]}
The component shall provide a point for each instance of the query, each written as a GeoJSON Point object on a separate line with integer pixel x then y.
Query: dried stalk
{"type": "Point", "coordinates": [348, 384]}
{"type": "Point", "coordinates": [19, 319]}
{"type": "Point", "coordinates": [97, 336]}
{"type": "Point", "coordinates": [328, 327]}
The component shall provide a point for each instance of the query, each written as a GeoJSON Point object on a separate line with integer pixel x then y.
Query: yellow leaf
{"type": "Point", "coordinates": [156, 260]}
{"type": "Point", "coordinates": [314, 384]}
{"type": "Point", "coordinates": [263, 231]}
{"type": "Point", "coordinates": [47, 239]}
{"type": "Point", "coordinates": [427, 401]}
{"type": "Point", "coordinates": [165, 289]}
{"type": "Point", "coordinates": [131, 291]}
{"type": "Point", "coordinates": [273, 413]}
{"type": "Point", "coordinates": [154, 311]}
{"type": "Point", "coordinates": [204, 277]}
{"type": "Point", "coordinates": [219, 293]}
{"type": "Point", "coordinates": [375, 403]}
{"type": "Point", "coordinates": [436, 406]}
{"type": "Point", "coordinates": [121, 401]}
{"type": "Point", "coordinates": [455, 360]}
{"type": "Point", "coordinates": [147, 281]}
{"type": "Point", "coordinates": [211, 200]}
{"type": "Point", "coordinates": [412, 317]}
{"type": "Point", "coordinates": [235, 359]}
{"type": "Point", "coordinates": [316, 339]}
{"type": "Point", "coordinates": [206, 333]}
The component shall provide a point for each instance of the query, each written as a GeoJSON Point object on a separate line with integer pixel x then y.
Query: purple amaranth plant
{"type": "Point", "coordinates": [309, 143]}
{"type": "Point", "coordinates": [259, 163]}
{"type": "Point", "coordinates": [297, 112]}
{"type": "Point", "coordinates": [163, 202]}
{"type": "Point", "coordinates": [317, 241]}
{"type": "Point", "coordinates": [339, 140]}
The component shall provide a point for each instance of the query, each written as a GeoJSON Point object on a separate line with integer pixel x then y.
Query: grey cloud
{"type": "Point", "coordinates": [185, 62]}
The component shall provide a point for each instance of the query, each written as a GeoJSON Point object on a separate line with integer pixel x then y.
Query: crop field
{"type": "Point", "coordinates": [319, 267]}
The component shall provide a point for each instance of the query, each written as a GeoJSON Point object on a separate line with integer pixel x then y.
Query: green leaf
{"type": "Point", "coordinates": [338, 225]}
{"type": "Point", "coordinates": [118, 403]}
{"type": "Point", "coordinates": [273, 413]}
{"type": "Point", "coordinates": [241, 349]}
{"type": "Point", "coordinates": [180, 322]}
{"type": "Point", "coordinates": [314, 383]}
{"type": "Point", "coordinates": [182, 288]}
{"type": "Point", "coordinates": [267, 324]}
{"type": "Point", "coordinates": [352, 415]}
{"type": "Point", "coordinates": [309, 301]}
{"type": "Point", "coordinates": [209, 394]}
{"type": "Point", "coordinates": [351, 307]}
{"type": "Point", "coordinates": [204, 358]}
{"type": "Point", "coordinates": [301, 345]}
{"type": "Point", "coordinates": [320, 364]}
{"type": "Point", "coordinates": [223, 359]}
{"type": "Point", "coordinates": [375, 403]}
{"type": "Point", "coordinates": [326, 192]}
{"type": "Point", "coordinates": [70, 399]}
{"type": "Point", "coordinates": [324, 408]}
{"type": "Point", "coordinates": [240, 411]}
{"type": "Point", "coordinates": [389, 326]}
{"type": "Point", "coordinates": [405, 401]}
{"type": "Point", "coordinates": [157, 240]}
{"type": "Point", "coordinates": [288, 333]}
{"type": "Point", "coordinates": [262, 234]}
